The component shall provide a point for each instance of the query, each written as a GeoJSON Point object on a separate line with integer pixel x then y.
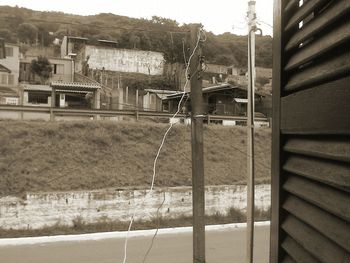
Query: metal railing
{"type": "Point", "coordinates": [113, 113]}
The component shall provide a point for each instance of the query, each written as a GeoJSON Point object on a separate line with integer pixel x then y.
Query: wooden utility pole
{"type": "Point", "coordinates": [250, 132]}
{"type": "Point", "coordinates": [198, 199]}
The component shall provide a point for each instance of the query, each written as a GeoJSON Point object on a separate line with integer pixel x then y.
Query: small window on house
{"type": "Point", "coordinates": [9, 51]}
{"type": "Point", "coordinates": [37, 98]}
{"type": "Point", "coordinates": [153, 99]}
{"type": "Point", "coordinates": [58, 69]}
{"type": "Point", "coordinates": [11, 79]}
{"type": "Point", "coordinates": [4, 79]}
{"type": "Point", "coordinates": [11, 101]}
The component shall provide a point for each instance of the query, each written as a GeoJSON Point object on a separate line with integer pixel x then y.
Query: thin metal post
{"type": "Point", "coordinates": [198, 197]}
{"type": "Point", "coordinates": [250, 133]}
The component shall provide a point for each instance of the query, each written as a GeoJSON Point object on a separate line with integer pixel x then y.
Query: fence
{"type": "Point", "coordinates": [50, 113]}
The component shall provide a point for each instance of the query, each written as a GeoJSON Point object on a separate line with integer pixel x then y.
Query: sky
{"type": "Point", "coordinates": [216, 16]}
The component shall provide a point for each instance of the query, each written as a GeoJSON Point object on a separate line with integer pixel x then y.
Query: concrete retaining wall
{"type": "Point", "coordinates": [47, 209]}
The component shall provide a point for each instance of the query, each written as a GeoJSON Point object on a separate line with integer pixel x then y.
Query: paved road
{"type": "Point", "coordinates": [222, 247]}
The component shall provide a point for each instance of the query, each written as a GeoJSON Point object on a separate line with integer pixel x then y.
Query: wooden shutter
{"type": "Point", "coordinates": [311, 132]}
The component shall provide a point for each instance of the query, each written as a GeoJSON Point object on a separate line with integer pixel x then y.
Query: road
{"type": "Point", "coordinates": [222, 246]}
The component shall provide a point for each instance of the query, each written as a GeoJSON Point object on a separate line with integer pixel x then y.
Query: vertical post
{"type": "Point", "coordinates": [250, 132]}
{"type": "Point", "coordinates": [127, 94]}
{"type": "Point", "coordinates": [137, 104]}
{"type": "Point", "coordinates": [198, 198]}
{"type": "Point", "coordinates": [53, 103]}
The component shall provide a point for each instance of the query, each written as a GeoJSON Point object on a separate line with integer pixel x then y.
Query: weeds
{"type": "Point", "coordinates": [106, 225]}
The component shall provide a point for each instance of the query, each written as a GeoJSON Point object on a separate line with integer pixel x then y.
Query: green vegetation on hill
{"type": "Point", "coordinates": [55, 156]}
{"type": "Point", "coordinates": [157, 34]}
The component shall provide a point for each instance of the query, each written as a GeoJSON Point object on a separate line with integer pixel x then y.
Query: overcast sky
{"type": "Point", "coordinates": [216, 16]}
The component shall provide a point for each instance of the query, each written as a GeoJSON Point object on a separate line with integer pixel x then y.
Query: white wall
{"type": "Point", "coordinates": [125, 60]}
{"type": "Point", "coordinates": [47, 209]}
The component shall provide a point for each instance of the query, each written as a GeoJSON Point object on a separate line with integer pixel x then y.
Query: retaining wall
{"type": "Point", "coordinates": [37, 210]}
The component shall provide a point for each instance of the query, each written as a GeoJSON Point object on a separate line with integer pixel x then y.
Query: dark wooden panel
{"type": "Point", "coordinates": [275, 255]}
{"type": "Point", "coordinates": [320, 72]}
{"type": "Point", "coordinates": [332, 200]}
{"type": "Point", "coordinates": [320, 110]}
{"type": "Point", "coordinates": [297, 252]}
{"type": "Point", "coordinates": [307, 8]}
{"type": "Point", "coordinates": [312, 241]}
{"type": "Point", "coordinates": [324, 147]}
{"type": "Point", "coordinates": [330, 226]}
{"type": "Point", "coordinates": [336, 174]}
{"type": "Point", "coordinates": [288, 259]}
{"type": "Point", "coordinates": [290, 5]}
{"type": "Point", "coordinates": [319, 46]}
{"type": "Point", "coordinates": [336, 10]}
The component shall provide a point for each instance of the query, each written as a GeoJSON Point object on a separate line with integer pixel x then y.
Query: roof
{"type": "Point", "coordinates": [107, 41]}
{"type": "Point", "coordinates": [4, 69]}
{"type": "Point", "coordinates": [36, 87]}
{"type": "Point", "coordinates": [78, 38]}
{"type": "Point", "coordinates": [240, 100]}
{"type": "Point", "coordinates": [220, 87]}
{"type": "Point", "coordinates": [74, 86]}
{"type": "Point", "coordinates": [162, 91]}
{"type": "Point", "coordinates": [7, 92]}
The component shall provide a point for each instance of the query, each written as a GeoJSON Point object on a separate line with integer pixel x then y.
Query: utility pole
{"type": "Point", "coordinates": [198, 198]}
{"type": "Point", "coordinates": [250, 132]}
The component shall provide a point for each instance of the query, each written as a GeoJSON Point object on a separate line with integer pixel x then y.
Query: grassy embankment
{"type": "Point", "coordinates": [63, 156]}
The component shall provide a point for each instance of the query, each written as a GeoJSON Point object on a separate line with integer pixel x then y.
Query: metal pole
{"type": "Point", "coordinates": [250, 132]}
{"type": "Point", "coordinates": [198, 198]}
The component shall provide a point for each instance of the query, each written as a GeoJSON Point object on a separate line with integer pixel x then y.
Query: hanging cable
{"type": "Point", "coordinates": [161, 146]}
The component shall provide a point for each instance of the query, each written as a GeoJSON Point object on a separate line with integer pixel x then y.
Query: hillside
{"type": "Point", "coordinates": [157, 34]}
{"type": "Point", "coordinates": [45, 156]}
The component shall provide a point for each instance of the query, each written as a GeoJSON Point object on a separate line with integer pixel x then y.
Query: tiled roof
{"type": "Point", "coordinates": [74, 85]}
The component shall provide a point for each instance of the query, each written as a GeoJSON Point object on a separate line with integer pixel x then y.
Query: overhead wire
{"type": "Point", "coordinates": [160, 148]}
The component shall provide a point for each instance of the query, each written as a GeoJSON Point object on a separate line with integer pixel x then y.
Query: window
{"type": "Point", "coordinates": [11, 79]}
{"type": "Point", "coordinates": [153, 99]}
{"type": "Point", "coordinates": [4, 79]}
{"type": "Point", "coordinates": [58, 69]}
{"type": "Point", "coordinates": [9, 51]}
{"type": "Point", "coordinates": [11, 101]}
{"type": "Point", "coordinates": [37, 98]}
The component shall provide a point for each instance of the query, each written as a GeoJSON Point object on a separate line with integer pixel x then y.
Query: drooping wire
{"type": "Point", "coordinates": [155, 234]}
{"type": "Point", "coordinates": [161, 146]}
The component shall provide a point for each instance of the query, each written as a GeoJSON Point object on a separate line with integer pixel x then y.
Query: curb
{"type": "Point", "coordinates": [117, 234]}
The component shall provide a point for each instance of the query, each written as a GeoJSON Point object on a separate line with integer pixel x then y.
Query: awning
{"type": "Point", "coordinates": [4, 69]}
{"type": "Point", "coordinates": [241, 100]}
{"type": "Point", "coordinates": [74, 86]}
{"type": "Point", "coordinates": [74, 91]}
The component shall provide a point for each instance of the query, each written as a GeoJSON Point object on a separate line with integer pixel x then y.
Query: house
{"type": "Point", "coordinates": [60, 90]}
{"type": "Point", "coordinates": [214, 74]}
{"type": "Point", "coordinates": [152, 99]}
{"type": "Point", "coordinates": [71, 45]}
{"type": "Point", "coordinates": [8, 96]}
{"type": "Point", "coordinates": [9, 73]}
{"type": "Point", "coordinates": [235, 71]}
{"type": "Point", "coordinates": [224, 99]}
{"type": "Point", "coordinates": [62, 70]}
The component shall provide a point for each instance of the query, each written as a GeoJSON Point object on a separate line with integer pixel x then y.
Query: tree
{"type": "Point", "coordinates": [7, 35]}
{"type": "Point", "coordinates": [42, 68]}
{"type": "Point", "coordinates": [27, 33]}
